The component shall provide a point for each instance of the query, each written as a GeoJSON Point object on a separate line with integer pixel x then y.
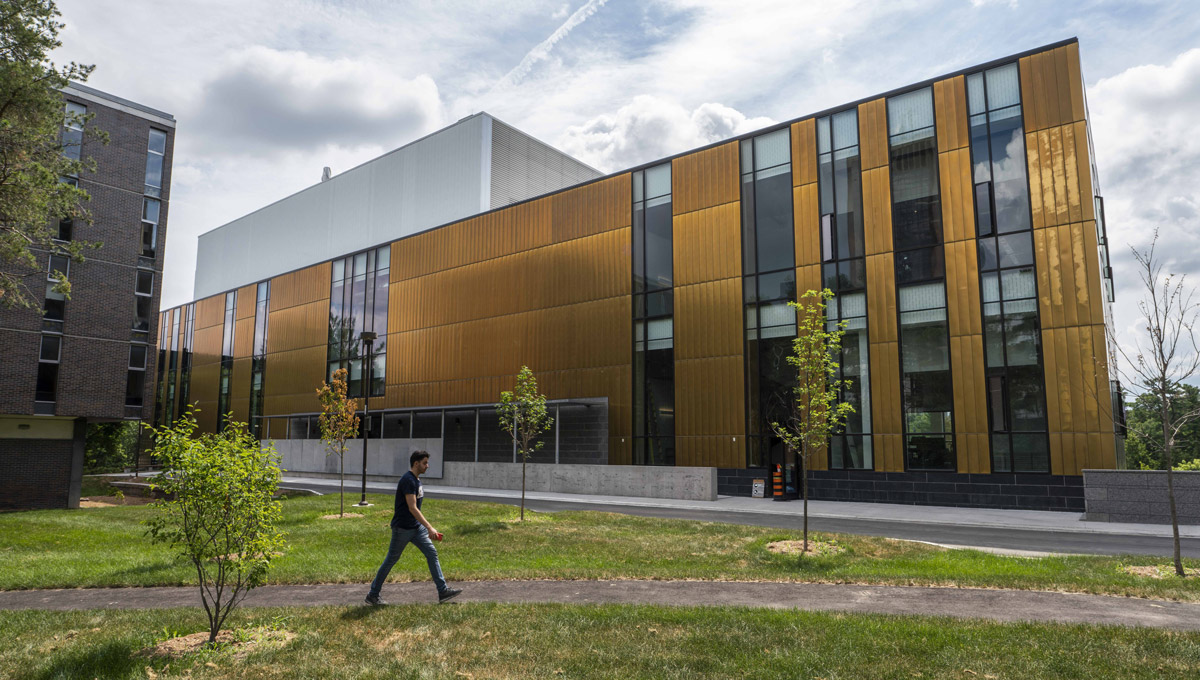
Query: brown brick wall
{"type": "Point", "coordinates": [35, 473]}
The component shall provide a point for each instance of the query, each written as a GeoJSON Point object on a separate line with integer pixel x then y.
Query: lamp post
{"type": "Point", "coordinates": [368, 337]}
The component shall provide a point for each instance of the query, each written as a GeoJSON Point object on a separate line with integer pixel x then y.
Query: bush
{"type": "Point", "coordinates": [110, 447]}
{"type": "Point", "coordinates": [219, 513]}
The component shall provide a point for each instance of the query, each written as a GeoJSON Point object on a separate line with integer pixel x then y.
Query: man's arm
{"type": "Point", "coordinates": [411, 499]}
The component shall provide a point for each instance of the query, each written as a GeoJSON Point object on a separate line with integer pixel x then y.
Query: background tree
{"type": "Point", "coordinates": [1142, 415]}
{"type": "Point", "coordinates": [339, 422]}
{"type": "Point", "coordinates": [219, 511]}
{"type": "Point", "coordinates": [32, 163]}
{"type": "Point", "coordinates": [110, 447]}
{"type": "Point", "coordinates": [1162, 359]}
{"type": "Point", "coordinates": [523, 416]}
{"type": "Point", "coordinates": [814, 413]}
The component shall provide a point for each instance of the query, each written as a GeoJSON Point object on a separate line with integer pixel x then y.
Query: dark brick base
{"type": "Point", "coordinates": [1010, 491]}
{"type": "Point", "coordinates": [36, 474]}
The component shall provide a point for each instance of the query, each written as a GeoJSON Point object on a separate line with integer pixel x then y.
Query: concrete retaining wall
{"type": "Point", "coordinates": [681, 483]}
{"type": "Point", "coordinates": [1140, 496]}
{"type": "Point", "coordinates": [385, 457]}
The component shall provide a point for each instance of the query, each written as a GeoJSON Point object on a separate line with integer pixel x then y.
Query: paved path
{"type": "Point", "coordinates": [999, 605]}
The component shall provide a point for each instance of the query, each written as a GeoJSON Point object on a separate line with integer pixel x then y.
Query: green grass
{"type": "Point", "coordinates": [571, 641]}
{"type": "Point", "coordinates": [107, 547]}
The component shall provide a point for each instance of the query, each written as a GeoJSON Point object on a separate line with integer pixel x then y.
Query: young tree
{"type": "Point", "coordinates": [1160, 362]}
{"type": "Point", "coordinates": [339, 422]}
{"type": "Point", "coordinates": [218, 512]}
{"type": "Point", "coordinates": [814, 413]}
{"type": "Point", "coordinates": [32, 160]}
{"type": "Point", "coordinates": [523, 415]}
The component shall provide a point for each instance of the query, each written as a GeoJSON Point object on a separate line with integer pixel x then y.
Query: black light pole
{"type": "Point", "coordinates": [369, 338]}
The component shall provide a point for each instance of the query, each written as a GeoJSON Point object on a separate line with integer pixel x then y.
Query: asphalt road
{"type": "Point", "coordinates": [1006, 538]}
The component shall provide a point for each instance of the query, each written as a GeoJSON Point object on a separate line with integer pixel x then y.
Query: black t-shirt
{"type": "Point", "coordinates": [409, 484]}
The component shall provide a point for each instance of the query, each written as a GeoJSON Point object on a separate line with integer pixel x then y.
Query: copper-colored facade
{"type": "Point", "coordinates": [547, 283]}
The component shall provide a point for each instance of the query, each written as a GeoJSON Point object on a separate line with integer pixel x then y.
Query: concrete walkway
{"type": "Point", "coordinates": [998, 605]}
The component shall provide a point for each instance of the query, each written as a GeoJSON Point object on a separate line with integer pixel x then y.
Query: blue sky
{"type": "Point", "coordinates": [268, 92]}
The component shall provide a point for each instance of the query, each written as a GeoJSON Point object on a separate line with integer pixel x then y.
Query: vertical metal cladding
{"type": "Point", "coordinates": [206, 360]}
{"type": "Point", "coordinates": [1070, 293]}
{"type": "Point", "coordinates": [709, 366]}
{"type": "Point", "coordinates": [297, 340]}
{"type": "Point", "coordinates": [962, 276]}
{"type": "Point", "coordinates": [881, 287]}
{"type": "Point", "coordinates": [544, 284]}
{"type": "Point", "coordinates": [807, 217]}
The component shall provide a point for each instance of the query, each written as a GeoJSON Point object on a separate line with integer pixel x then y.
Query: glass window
{"type": "Point", "coordinates": [59, 264]}
{"type": "Point", "coordinates": [427, 425]}
{"type": "Point", "coordinates": [72, 137]}
{"type": "Point", "coordinates": [51, 348]}
{"type": "Point", "coordinates": [144, 284]}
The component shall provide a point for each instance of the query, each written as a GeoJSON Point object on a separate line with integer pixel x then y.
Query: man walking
{"type": "Point", "coordinates": [408, 524]}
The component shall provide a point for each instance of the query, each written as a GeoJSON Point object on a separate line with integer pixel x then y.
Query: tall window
{"type": "Point", "coordinates": [47, 376]}
{"type": "Point", "coordinates": [160, 390]}
{"type": "Point", "coordinates": [185, 360]}
{"type": "Point", "coordinates": [56, 303]}
{"type": "Point", "coordinates": [769, 283]}
{"type": "Point", "coordinates": [1012, 337]}
{"type": "Point", "coordinates": [143, 293]}
{"type": "Point", "coordinates": [172, 365]}
{"type": "Point", "coordinates": [135, 384]}
{"type": "Point", "coordinates": [72, 136]}
{"type": "Point", "coordinates": [358, 302]}
{"type": "Point", "coordinates": [844, 272]}
{"type": "Point", "coordinates": [653, 318]}
{"type": "Point", "coordinates": [258, 361]}
{"type": "Point", "coordinates": [150, 215]}
{"type": "Point", "coordinates": [155, 153]}
{"type": "Point", "coordinates": [927, 389]}
{"type": "Point", "coordinates": [226, 384]}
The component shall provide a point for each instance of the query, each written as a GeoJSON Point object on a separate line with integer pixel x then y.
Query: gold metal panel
{"type": "Point", "coordinates": [958, 207]}
{"type": "Point", "coordinates": [707, 244]}
{"type": "Point", "coordinates": [247, 297]}
{"type": "Point", "coordinates": [300, 287]}
{"type": "Point", "coordinates": [877, 211]}
{"type": "Point", "coordinates": [807, 225]}
{"type": "Point", "coordinates": [203, 392]}
{"type": "Point", "coordinates": [305, 325]}
{"type": "Point", "coordinates": [705, 179]}
{"type": "Point", "coordinates": [1075, 83]}
{"type": "Point", "coordinates": [804, 152]}
{"type": "Point", "coordinates": [709, 398]}
{"type": "Point", "coordinates": [872, 134]}
{"type": "Point", "coordinates": [710, 452]}
{"type": "Point", "coordinates": [1030, 102]}
{"type": "Point", "coordinates": [567, 273]}
{"type": "Point", "coordinates": [808, 278]}
{"type": "Point", "coordinates": [708, 320]}
{"type": "Point", "coordinates": [210, 311]}
{"type": "Point", "coordinates": [881, 298]}
{"type": "Point", "coordinates": [293, 377]}
{"type": "Point", "coordinates": [950, 107]}
{"type": "Point", "coordinates": [243, 337]}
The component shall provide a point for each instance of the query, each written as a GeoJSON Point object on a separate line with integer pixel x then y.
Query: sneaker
{"type": "Point", "coordinates": [449, 594]}
{"type": "Point", "coordinates": [375, 601]}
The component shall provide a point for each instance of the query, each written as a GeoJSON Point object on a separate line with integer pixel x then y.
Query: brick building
{"type": "Point", "coordinates": [89, 358]}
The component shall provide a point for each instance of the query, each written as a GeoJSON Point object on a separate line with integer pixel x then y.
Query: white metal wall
{"type": "Point", "coordinates": [429, 182]}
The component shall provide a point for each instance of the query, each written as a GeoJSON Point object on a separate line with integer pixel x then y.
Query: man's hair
{"type": "Point", "coordinates": [417, 455]}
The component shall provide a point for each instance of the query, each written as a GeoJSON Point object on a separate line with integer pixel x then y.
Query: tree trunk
{"type": "Point", "coordinates": [804, 491]}
{"type": "Point", "coordinates": [1169, 458]}
{"type": "Point", "coordinates": [342, 485]}
{"type": "Point", "coordinates": [523, 458]}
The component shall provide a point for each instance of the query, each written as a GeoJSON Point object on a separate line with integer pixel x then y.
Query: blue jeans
{"type": "Point", "coordinates": [401, 538]}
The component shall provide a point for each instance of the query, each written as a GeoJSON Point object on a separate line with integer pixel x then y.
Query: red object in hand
{"type": "Point", "coordinates": [437, 535]}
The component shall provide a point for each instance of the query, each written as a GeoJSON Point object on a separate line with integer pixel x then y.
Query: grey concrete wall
{"type": "Point", "coordinates": [1140, 496]}
{"type": "Point", "coordinates": [385, 457]}
{"type": "Point", "coordinates": [683, 483]}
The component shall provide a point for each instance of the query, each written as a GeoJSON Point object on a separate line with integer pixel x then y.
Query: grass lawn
{"type": "Point", "coordinates": [570, 641]}
{"type": "Point", "coordinates": [107, 547]}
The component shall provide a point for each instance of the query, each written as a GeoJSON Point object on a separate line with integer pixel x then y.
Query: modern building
{"type": "Point", "coordinates": [89, 358]}
{"type": "Point", "coordinates": [958, 220]}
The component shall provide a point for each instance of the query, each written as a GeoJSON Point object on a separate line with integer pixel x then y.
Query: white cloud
{"type": "Point", "coordinates": [649, 128]}
{"type": "Point", "coordinates": [265, 100]}
{"type": "Point", "coordinates": [1148, 156]}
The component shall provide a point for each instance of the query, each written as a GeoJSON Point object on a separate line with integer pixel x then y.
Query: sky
{"type": "Point", "coordinates": [268, 92]}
